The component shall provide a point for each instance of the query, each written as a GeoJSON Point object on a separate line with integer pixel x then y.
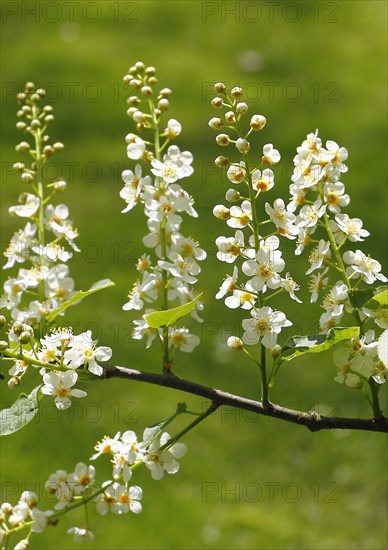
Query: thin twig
{"type": "Point", "coordinates": [312, 420]}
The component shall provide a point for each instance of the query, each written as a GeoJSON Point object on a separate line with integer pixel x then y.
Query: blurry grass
{"type": "Point", "coordinates": [231, 450]}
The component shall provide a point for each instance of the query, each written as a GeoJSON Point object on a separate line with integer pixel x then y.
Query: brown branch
{"type": "Point", "coordinates": [312, 420]}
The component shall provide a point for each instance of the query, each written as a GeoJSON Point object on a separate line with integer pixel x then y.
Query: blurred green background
{"type": "Point", "coordinates": [247, 482]}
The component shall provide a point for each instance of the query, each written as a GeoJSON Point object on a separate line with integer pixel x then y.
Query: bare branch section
{"type": "Point", "coordinates": [312, 420]}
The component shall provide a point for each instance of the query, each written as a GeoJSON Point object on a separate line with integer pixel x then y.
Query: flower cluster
{"type": "Point", "coordinates": [57, 356]}
{"type": "Point", "coordinates": [261, 260]}
{"type": "Point", "coordinates": [43, 284]}
{"type": "Point", "coordinates": [167, 277]}
{"type": "Point", "coordinates": [316, 220]}
{"type": "Point", "coordinates": [158, 452]}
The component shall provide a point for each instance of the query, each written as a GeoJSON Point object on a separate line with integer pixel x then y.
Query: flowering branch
{"type": "Point", "coordinates": [312, 420]}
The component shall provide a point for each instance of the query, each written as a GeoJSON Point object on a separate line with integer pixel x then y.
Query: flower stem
{"type": "Point", "coordinates": [375, 400]}
{"type": "Point", "coordinates": [264, 383]}
{"type": "Point", "coordinates": [166, 351]}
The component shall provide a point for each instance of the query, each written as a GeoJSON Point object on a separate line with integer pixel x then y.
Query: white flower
{"type": "Point", "coordinates": [327, 320]}
{"type": "Point", "coordinates": [236, 172]}
{"type": "Point", "coordinates": [136, 149]}
{"type": "Point", "coordinates": [380, 315]}
{"type": "Point", "coordinates": [28, 209]}
{"type": "Point", "coordinates": [320, 254]}
{"type": "Point", "coordinates": [56, 220]}
{"type": "Point", "coordinates": [365, 266]}
{"type": "Point", "coordinates": [17, 250]}
{"type": "Point", "coordinates": [337, 155]}
{"type": "Point", "coordinates": [182, 339]}
{"type": "Point", "coordinates": [82, 477]}
{"type": "Point", "coordinates": [264, 327]}
{"type": "Point", "coordinates": [145, 291]}
{"type": "Point", "coordinates": [175, 165]}
{"type": "Point", "coordinates": [84, 352]}
{"type": "Point", "coordinates": [316, 283]}
{"type": "Point", "coordinates": [134, 183]}
{"type": "Point", "coordinates": [81, 534]}
{"type": "Point", "coordinates": [52, 253]}
{"type": "Point", "coordinates": [240, 216]}
{"type": "Point", "coordinates": [334, 300]}
{"type": "Point", "coordinates": [57, 283]}
{"type": "Point", "coordinates": [60, 384]}
{"type": "Point", "coordinates": [283, 219]}
{"type": "Point", "coordinates": [352, 227]}
{"type": "Point", "coordinates": [106, 445]}
{"type": "Point", "coordinates": [183, 268]}
{"type": "Point", "coordinates": [158, 461]}
{"type": "Point", "coordinates": [228, 285]}
{"type": "Point", "coordinates": [173, 129]}
{"type": "Point", "coordinates": [335, 196]}
{"type": "Point", "coordinates": [262, 180]}
{"type": "Point", "coordinates": [265, 269]}
{"type": "Point", "coordinates": [290, 286]}
{"type": "Point", "coordinates": [143, 329]}
{"type": "Point", "coordinates": [120, 499]}
{"type": "Point", "coordinates": [39, 520]}
{"type": "Point", "coordinates": [241, 298]}
{"type": "Point", "coordinates": [382, 348]}
{"type": "Point", "coordinates": [310, 214]}
{"type": "Point", "coordinates": [270, 155]}
{"type": "Point", "coordinates": [229, 248]}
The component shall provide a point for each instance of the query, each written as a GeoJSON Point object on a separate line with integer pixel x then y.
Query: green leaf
{"type": "Point", "coordinates": [78, 296]}
{"type": "Point", "coordinates": [299, 345]}
{"type": "Point", "coordinates": [21, 413]}
{"type": "Point", "coordinates": [168, 317]}
{"type": "Point", "coordinates": [378, 300]}
{"type": "Point", "coordinates": [358, 298]}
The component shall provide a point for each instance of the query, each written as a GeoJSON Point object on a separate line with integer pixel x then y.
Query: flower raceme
{"type": "Point", "coordinates": [313, 218]}
{"type": "Point", "coordinates": [169, 271]}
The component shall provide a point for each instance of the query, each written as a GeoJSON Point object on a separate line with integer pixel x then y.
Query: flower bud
{"type": "Point", "coordinates": [217, 102]}
{"type": "Point", "coordinates": [134, 83]}
{"type": "Point", "coordinates": [3, 321]}
{"type": "Point", "coordinates": [48, 109]}
{"type": "Point", "coordinates": [232, 195]}
{"type": "Point", "coordinates": [21, 97]}
{"type": "Point", "coordinates": [13, 382]}
{"type": "Point", "coordinates": [49, 118]}
{"type": "Point", "coordinates": [21, 125]}
{"type": "Point", "coordinates": [165, 92]}
{"type": "Point", "coordinates": [215, 123]}
{"type": "Point", "coordinates": [163, 104]}
{"type": "Point", "coordinates": [48, 150]}
{"type": "Point", "coordinates": [30, 86]}
{"type": "Point", "coordinates": [58, 146]}
{"type": "Point", "coordinates": [241, 108]}
{"type": "Point", "coordinates": [35, 124]}
{"type": "Point", "coordinates": [130, 138]}
{"type": "Point", "coordinates": [222, 162]}
{"type": "Point", "coordinates": [221, 212]}
{"type": "Point", "coordinates": [26, 177]}
{"type": "Point", "coordinates": [3, 345]}
{"type": "Point", "coordinates": [146, 91]}
{"type": "Point", "coordinates": [236, 92]}
{"type": "Point", "coordinates": [276, 351]}
{"type": "Point", "coordinates": [219, 88]}
{"type": "Point", "coordinates": [139, 66]}
{"type": "Point", "coordinates": [23, 544]}
{"type": "Point", "coordinates": [235, 343]}
{"type": "Point", "coordinates": [41, 92]}
{"type": "Point", "coordinates": [59, 185]}
{"type": "Point", "coordinates": [140, 127]}
{"type": "Point", "coordinates": [150, 71]}
{"type": "Point", "coordinates": [18, 328]}
{"type": "Point", "coordinates": [22, 147]}
{"type": "Point", "coordinates": [133, 100]}
{"type": "Point", "coordinates": [258, 122]}
{"type": "Point", "coordinates": [152, 80]}
{"type": "Point", "coordinates": [19, 166]}
{"type": "Point", "coordinates": [25, 338]}
{"type": "Point", "coordinates": [223, 140]}
{"type": "Point", "coordinates": [138, 116]}
{"type": "Point", "coordinates": [131, 110]}
{"type": "Point", "coordinates": [229, 117]}
{"type": "Point", "coordinates": [6, 508]}
{"type": "Point", "coordinates": [243, 145]}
